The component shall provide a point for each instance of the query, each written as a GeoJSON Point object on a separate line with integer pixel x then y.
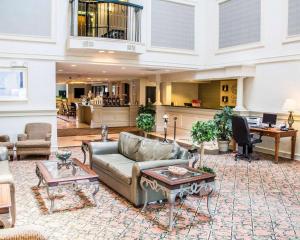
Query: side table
{"type": "Point", "coordinates": [172, 186]}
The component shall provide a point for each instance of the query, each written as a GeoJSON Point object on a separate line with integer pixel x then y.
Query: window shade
{"type": "Point", "coordinates": [239, 22]}
{"type": "Point", "coordinates": [29, 18]}
{"type": "Point", "coordinates": [294, 18]}
{"type": "Point", "coordinates": [172, 25]}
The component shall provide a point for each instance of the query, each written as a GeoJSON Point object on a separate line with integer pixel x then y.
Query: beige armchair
{"type": "Point", "coordinates": [6, 178]}
{"type": "Point", "coordinates": [36, 140]}
{"type": "Point", "coordinates": [5, 142]}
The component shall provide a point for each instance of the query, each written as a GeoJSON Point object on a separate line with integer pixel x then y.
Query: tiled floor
{"type": "Point", "coordinates": [258, 200]}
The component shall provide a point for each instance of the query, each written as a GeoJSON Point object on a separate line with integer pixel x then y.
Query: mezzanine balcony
{"type": "Point", "coordinates": [108, 25]}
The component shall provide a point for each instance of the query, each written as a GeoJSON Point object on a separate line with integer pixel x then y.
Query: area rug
{"type": "Point", "coordinates": [257, 200]}
{"type": "Point", "coordinates": [67, 200]}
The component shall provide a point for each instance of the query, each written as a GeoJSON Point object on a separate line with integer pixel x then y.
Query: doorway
{"type": "Point", "coordinates": [150, 94]}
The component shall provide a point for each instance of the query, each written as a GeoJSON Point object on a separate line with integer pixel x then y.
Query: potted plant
{"type": "Point", "coordinates": [201, 133]}
{"type": "Point", "coordinates": [223, 122]}
{"type": "Point", "coordinates": [145, 122]}
{"type": "Point", "coordinates": [149, 108]}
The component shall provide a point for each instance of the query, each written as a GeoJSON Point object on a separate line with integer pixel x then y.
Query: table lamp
{"type": "Point", "coordinates": [290, 106]}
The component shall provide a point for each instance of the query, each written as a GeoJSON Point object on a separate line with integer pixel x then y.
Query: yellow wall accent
{"type": "Point", "coordinates": [209, 94]}
{"type": "Point", "coordinates": [184, 93]}
{"type": "Point", "coordinates": [230, 93]}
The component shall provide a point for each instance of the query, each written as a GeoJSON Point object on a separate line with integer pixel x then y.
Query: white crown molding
{"type": "Point", "coordinates": [27, 113]}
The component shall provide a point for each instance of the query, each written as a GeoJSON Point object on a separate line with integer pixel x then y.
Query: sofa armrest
{"type": "Point", "coordinates": [4, 138]}
{"type": "Point", "coordinates": [139, 166]}
{"type": "Point", "coordinates": [22, 137]}
{"type": "Point", "coordinates": [3, 153]}
{"type": "Point", "coordinates": [101, 148]}
{"type": "Point", "coordinates": [48, 137]}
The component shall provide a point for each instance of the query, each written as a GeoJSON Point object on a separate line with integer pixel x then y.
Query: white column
{"type": "Point", "coordinates": [158, 80]}
{"type": "Point", "coordinates": [75, 18]}
{"type": "Point", "coordinates": [240, 95]}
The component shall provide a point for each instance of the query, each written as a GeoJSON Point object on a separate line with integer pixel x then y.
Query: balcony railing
{"type": "Point", "coordinates": [110, 19]}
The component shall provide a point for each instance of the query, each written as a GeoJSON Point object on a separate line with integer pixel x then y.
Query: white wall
{"type": "Point", "coordinates": [40, 106]}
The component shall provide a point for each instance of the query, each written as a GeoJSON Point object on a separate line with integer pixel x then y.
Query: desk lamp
{"type": "Point", "coordinates": [290, 106]}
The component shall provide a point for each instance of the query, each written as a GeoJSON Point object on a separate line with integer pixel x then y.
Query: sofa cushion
{"type": "Point", "coordinates": [118, 165]}
{"type": "Point", "coordinates": [33, 144]}
{"type": "Point", "coordinates": [154, 150]}
{"type": "Point", "coordinates": [129, 145]}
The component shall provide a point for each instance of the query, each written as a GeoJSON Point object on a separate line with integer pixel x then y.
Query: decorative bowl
{"type": "Point", "coordinates": [177, 170]}
{"type": "Point", "coordinates": [63, 155]}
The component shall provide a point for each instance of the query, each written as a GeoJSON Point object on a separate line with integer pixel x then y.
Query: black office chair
{"type": "Point", "coordinates": [243, 137]}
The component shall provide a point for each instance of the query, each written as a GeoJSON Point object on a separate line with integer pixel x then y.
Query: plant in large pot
{"type": "Point", "coordinates": [145, 122]}
{"type": "Point", "coordinates": [202, 132]}
{"type": "Point", "coordinates": [223, 122]}
{"type": "Point", "coordinates": [148, 108]}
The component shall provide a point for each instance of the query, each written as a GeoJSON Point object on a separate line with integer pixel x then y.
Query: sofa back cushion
{"type": "Point", "coordinates": [36, 131]}
{"type": "Point", "coordinates": [154, 150]}
{"type": "Point", "coordinates": [129, 145]}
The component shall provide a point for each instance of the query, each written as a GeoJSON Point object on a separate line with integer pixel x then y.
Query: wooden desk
{"type": "Point", "coordinates": [277, 135]}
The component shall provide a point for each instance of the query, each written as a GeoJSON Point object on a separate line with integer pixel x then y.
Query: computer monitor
{"type": "Point", "coordinates": [269, 118]}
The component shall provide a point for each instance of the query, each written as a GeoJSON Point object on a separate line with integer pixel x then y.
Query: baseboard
{"type": "Point", "coordinates": [281, 153]}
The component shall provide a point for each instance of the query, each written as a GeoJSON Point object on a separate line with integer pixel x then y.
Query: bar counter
{"type": "Point", "coordinates": [96, 115]}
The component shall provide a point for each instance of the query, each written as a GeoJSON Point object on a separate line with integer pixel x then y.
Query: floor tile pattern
{"type": "Point", "coordinates": [258, 200]}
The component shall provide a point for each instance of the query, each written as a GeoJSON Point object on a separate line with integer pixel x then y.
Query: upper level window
{"type": "Point", "coordinates": [239, 22]}
{"type": "Point", "coordinates": [172, 25]}
{"type": "Point", "coordinates": [107, 19]}
{"type": "Point", "coordinates": [294, 18]}
{"type": "Point", "coordinates": [26, 18]}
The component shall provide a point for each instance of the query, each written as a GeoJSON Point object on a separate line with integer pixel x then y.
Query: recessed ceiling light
{"type": "Point", "coordinates": [123, 68]}
{"type": "Point", "coordinates": [104, 71]}
{"type": "Point", "coordinates": [111, 51]}
{"type": "Point", "coordinates": [101, 51]}
{"type": "Point", "coordinates": [73, 65]}
{"type": "Point", "coordinates": [89, 78]}
{"type": "Point", "coordinates": [60, 70]}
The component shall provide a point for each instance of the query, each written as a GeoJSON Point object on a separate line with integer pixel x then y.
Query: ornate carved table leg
{"type": "Point", "coordinates": [96, 190]}
{"type": "Point", "coordinates": [143, 180]}
{"type": "Point", "coordinates": [171, 199]}
{"type": "Point", "coordinates": [39, 175]}
{"type": "Point", "coordinates": [84, 149]}
{"type": "Point", "coordinates": [51, 197]}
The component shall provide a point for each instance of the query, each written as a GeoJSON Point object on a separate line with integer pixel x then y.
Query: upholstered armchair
{"type": "Point", "coordinates": [5, 142]}
{"type": "Point", "coordinates": [6, 180]}
{"type": "Point", "coordinates": [36, 140]}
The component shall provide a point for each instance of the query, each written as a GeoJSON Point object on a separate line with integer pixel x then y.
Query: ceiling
{"type": "Point", "coordinates": [67, 72]}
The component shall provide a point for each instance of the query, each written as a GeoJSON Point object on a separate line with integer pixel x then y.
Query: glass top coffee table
{"type": "Point", "coordinates": [172, 186]}
{"type": "Point", "coordinates": [76, 174]}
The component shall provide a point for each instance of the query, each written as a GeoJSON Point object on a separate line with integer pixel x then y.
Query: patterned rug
{"type": "Point", "coordinates": [259, 201]}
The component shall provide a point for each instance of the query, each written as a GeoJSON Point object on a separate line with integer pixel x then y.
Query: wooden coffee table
{"type": "Point", "coordinates": [172, 186]}
{"type": "Point", "coordinates": [76, 175]}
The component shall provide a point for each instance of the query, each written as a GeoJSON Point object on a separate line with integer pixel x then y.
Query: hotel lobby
{"type": "Point", "coordinates": [149, 119]}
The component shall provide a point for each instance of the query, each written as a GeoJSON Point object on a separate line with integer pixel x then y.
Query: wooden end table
{"type": "Point", "coordinates": [172, 186]}
{"type": "Point", "coordinates": [77, 174]}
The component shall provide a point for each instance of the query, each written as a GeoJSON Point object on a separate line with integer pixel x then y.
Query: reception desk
{"type": "Point", "coordinates": [96, 116]}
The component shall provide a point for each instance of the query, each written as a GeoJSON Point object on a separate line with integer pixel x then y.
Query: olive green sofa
{"type": "Point", "coordinates": [119, 164]}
